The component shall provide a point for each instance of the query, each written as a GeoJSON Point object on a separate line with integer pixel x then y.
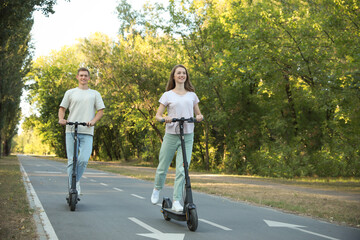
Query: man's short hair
{"type": "Point", "coordinates": [83, 69]}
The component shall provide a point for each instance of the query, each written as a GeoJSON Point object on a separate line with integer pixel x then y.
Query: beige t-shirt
{"type": "Point", "coordinates": [82, 105]}
{"type": "Point", "coordinates": [179, 106]}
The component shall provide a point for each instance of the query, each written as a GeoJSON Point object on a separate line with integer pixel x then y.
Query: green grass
{"type": "Point", "coordinates": [16, 221]}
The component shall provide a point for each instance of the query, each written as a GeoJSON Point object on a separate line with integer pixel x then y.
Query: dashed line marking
{"type": "Point", "coordinates": [104, 184]}
{"type": "Point", "coordinates": [118, 189]}
{"type": "Point", "coordinates": [215, 224]}
{"type": "Point", "coordinates": [96, 173]}
{"type": "Point", "coordinates": [134, 195]}
{"type": "Point", "coordinates": [92, 180]}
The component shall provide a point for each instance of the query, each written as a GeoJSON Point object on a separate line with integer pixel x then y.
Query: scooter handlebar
{"type": "Point", "coordinates": [190, 120]}
{"type": "Point", "coordinates": [76, 123]}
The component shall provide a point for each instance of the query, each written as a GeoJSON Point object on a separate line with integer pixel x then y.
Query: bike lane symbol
{"type": "Point", "coordinates": [156, 234]}
{"type": "Point", "coordinates": [295, 227]}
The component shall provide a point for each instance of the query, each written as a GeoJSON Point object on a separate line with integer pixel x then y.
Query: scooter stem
{"type": "Point", "coordinates": [73, 175]}
{"type": "Point", "coordinates": [188, 197]}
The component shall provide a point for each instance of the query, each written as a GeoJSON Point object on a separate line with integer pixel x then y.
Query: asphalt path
{"type": "Point", "coordinates": [113, 206]}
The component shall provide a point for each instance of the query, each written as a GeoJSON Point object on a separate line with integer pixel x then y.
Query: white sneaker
{"type": "Point", "coordinates": [155, 196]}
{"type": "Point", "coordinates": [177, 206]}
{"type": "Point", "coordinates": [78, 187]}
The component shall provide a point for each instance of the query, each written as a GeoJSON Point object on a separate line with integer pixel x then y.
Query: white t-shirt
{"type": "Point", "coordinates": [82, 105]}
{"type": "Point", "coordinates": [179, 106]}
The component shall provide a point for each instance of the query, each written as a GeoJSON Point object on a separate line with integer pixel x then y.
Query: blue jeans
{"type": "Point", "coordinates": [171, 143]}
{"type": "Point", "coordinates": [84, 145]}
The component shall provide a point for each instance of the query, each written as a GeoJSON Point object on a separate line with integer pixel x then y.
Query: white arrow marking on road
{"type": "Point", "coordinates": [156, 234]}
{"type": "Point", "coordinates": [296, 227]}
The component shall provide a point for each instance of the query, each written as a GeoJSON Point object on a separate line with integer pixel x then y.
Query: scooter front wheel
{"type": "Point", "coordinates": [73, 201]}
{"type": "Point", "coordinates": [192, 220]}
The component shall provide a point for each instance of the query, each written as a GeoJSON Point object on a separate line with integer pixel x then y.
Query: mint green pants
{"type": "Point", "coordinates": [171, 144]}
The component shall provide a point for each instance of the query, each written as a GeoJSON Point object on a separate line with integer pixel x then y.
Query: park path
{"type": "Point", "coordinates": [353, 195]}
{"type": "Point", "coordinates": [114, 206]}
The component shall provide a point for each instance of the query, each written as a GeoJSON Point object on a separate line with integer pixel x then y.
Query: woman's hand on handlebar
{"type": "Point", "coordinates": [199, 118]}
{"type": "Point", "coordinates": [167, 119]}
{"type": "Point", "coordinates": [62, 122]}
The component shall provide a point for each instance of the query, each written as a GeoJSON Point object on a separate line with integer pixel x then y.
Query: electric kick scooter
{"type": "Point", "coordinates": [72, 198]}
{"type": "Point", "coordinates": [189, 213]}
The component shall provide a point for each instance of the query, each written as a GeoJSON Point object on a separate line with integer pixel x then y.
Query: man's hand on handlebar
{"type": "Point", "coordinates": [90, 124]}
{"type": "Point", "coordinates": [62, 122]}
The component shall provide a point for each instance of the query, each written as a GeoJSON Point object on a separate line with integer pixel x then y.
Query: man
{"type": "Point", "coordinates": [85, 105]}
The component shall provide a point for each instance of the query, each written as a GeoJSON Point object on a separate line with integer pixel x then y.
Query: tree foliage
{"type": "Point", "coordinates": [15, 58]}
{"type": "Point", "coordinates": [278, 83]}
{"type": "Point", "coordinates": [30, 140]}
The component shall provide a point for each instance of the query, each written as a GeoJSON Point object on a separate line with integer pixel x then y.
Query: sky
{"type": "Point", "coordinates": [77, 19]}
{"type": "Point", "coordinates": [71, 21]}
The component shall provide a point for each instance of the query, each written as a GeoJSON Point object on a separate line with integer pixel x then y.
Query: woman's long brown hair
{"type": "Point", "coordinates": [171, 83]}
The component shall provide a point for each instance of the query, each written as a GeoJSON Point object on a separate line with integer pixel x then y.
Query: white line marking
{"type": "Point", "coordinates": [137, 196]}
{"type": "Point", "coordinates": [159, 204]}
{"type": "Point", "coordinates": [316, 234]}
{"type": "Point", "coordinates": [215, 225]}
{"type": "Point", "coordinates": [92, 180]}
{"type": "Point", "coordinates": [118, 189]}
{"type": "Point", "coordinates": [96, 173]}
{"type": "Point", "coordinates": [48, 228]}
{"type": "Point", "coordinates": [47, 172]}
{"type": "Point", "coordinates": [104, 184]}
{"type": "Point", "coordinates": [84, 177]}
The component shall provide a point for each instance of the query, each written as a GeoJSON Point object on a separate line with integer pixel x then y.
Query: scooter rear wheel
{"type": "Point", "coordinates": [192, 221]}
{"type": "Point", "coordinates": [166, 204]}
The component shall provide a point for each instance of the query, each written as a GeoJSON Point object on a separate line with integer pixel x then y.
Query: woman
{"type": "Point", "coordinates": [181, 101]}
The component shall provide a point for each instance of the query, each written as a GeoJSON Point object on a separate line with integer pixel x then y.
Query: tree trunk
{"type": "Point", "coordinates": [207, 158]}
{"type": "Point", "coordinates": [7, 147]}
{"type": "Point", "coordinates": [291, 103]}
{"type": "Point", "coordinates": [1, 145]}
{"type": "Point", "coordinates": [64, 142]}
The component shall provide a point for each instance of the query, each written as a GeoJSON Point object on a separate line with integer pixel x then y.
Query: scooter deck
{"type": "Point", "coordinates": [180, 216]}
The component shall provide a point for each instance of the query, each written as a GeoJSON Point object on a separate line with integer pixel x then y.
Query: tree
{"type": "Point", "coordinates": [30, 141]}
{"type": "Point", "coordinates": [278, 83]}
{"type": "Point", "coordinates": [51, 77]}
{"type": "Point", "coordinates": [131, 74]}
{"type": "Point", "coordinates": [15, 57]}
